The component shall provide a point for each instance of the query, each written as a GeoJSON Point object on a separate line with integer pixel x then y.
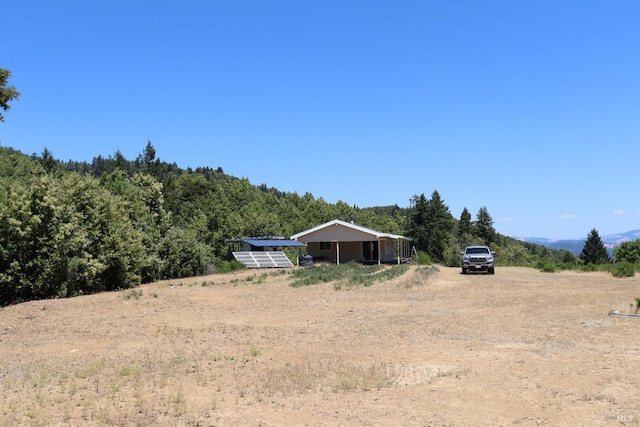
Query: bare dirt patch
{"type": "Point", "coordinates": [518, 348]}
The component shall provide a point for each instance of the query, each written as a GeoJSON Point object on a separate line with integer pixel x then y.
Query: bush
{"type": "Point", "coordinates": [183, 255]}
{"type": "Point", "coordinates": [623, 269]}
{"type": "Point", "coordinates": [452, 259]}
{"type": "Point", "coordinates": [547, 266]}
{"type": "Point", "coordinates": [349, 274]}
{"type": "Point", "coordinates": [594, 267]}
{"type": "Point", "coordinates": [228, 266]}
{"type": "Point", "coordinates": [422, 258]}
{"type": "Point", "coordinates": [565, 266]}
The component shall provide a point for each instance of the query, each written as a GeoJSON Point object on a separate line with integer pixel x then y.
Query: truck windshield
{"type": "Point", "coordinates": [477, 250]}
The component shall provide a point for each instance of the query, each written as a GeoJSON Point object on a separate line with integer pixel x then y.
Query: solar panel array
{"type": "Point", "coordinates": [263, 259]}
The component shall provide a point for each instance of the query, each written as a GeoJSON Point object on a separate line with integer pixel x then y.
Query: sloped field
{"type": "Point", "coordinates": [518, 348]}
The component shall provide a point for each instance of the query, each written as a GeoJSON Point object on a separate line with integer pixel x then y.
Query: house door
{"type": "Point", "coordinates": [370, 251]}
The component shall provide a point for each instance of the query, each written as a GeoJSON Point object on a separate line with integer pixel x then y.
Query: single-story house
{"type": "Point", "coordinates": [340, 242]}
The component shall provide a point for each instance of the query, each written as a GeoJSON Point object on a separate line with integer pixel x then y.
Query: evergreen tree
{"type": "Point", "coordinates": [150, 164]}
{"type": "Point", "coordinates": [484, 226]}
{"type": "Point", "coordinates": [431, 225]}
{"type": "Point", "coordinates": [47, 161]}
{"type": "Point", "coordinates": [148, 155]}
{"type": "Point", "coordinates": [120, 162]}
{"type": "Point", "coordinates": [440, 227]}
{"type": "Point", "coordinates": [99, 166]}
{"type": "Point", "coordinates": [465, 228]}
{"type": "Point", "coordinates": [418, 221]}
{"type": "Point", "coordinates": [593, 251]}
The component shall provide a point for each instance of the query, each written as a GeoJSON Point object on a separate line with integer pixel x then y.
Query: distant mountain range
{"type": "Point", "coordinates": [610, 242]}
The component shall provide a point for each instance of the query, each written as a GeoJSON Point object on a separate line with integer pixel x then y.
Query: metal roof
{"type": "Point", "coordinates": [376, 234]}
{"type": "Point", "coordinates": [274, 243]}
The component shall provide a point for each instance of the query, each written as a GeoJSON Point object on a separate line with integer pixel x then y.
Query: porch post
{"type": "Point", "coordinates": [337, 253]}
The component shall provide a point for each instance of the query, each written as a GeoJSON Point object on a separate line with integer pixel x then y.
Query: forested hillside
{"type": "Point", "coordinates": [69, 228]}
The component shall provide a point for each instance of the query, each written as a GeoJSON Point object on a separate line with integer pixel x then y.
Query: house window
{"type": "Point", "coordinates": [325, 246]}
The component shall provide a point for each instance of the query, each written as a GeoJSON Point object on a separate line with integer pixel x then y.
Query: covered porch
{"type": "Point", "coordinates": [339, 242]}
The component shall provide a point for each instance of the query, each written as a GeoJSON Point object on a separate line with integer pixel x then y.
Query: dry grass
{"type": "Point", "coordinates": [431, 347]}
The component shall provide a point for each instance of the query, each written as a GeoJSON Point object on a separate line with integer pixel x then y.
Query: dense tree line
{"type": "Point", "coordinates": [64, 234]}
{"type": "Point", "coordinates": [442, 237]}
{"type": "Point", "coordinates": [68, 228]}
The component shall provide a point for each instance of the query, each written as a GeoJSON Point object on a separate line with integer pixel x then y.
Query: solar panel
{"type": "Point", "coordinates": [273, 243]}
{"type": "Point", "coordinates": [246, 259]}
{"type": "Point", "coordinates": [263, 259]}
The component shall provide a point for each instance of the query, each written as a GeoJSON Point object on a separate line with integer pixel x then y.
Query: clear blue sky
{"type": "Point", "coordinates": [530, 108]}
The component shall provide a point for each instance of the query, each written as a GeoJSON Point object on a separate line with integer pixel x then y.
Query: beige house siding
{"type": "Point", "coordinates": [350, 251]}
{"type": "Point", "coordinates": [349, 242]}
{"type": "Point", "coordinates": [337, 234]}
{"type": "Point", "coordinates": [313, 248]}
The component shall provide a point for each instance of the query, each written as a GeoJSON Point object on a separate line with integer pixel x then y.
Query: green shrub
{"type": "Point", "coordinates": [350, 274]}
{"type": "Point", "coordinates": [623, 269]}
{"type": "Point", "coordinates": [422, 258]}
{"type": "Point", "coordinates": [593, 267]}
{"type": "Point", "coordinates": [183, 254]}
{"type": "Point", "coordinates": [132, 294]}
{"type": "Point", "coordinates": [228, 266]}
{"type": "Point", "coordinates": [452, 259]}
{"type": "Point", "coordinates": [546, 265]}
{"type": "Point", "coordinates": [322, 274]}
{"type": "Point", "coordinates": [565, 266]}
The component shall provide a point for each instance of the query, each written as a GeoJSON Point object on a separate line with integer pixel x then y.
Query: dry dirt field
{"type": "Point", "coordinates": [520, 348]}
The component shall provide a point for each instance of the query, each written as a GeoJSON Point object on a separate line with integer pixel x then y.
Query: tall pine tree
{"type": "Point", "coordinates": [484, 226]}
{"type": "Point", "coordinates": [418, 221]}
{"type": "Point", "coordinates": [593, 251]}
{"type": "Point", "coordinates": [465, 228]}
{"type": "Point", "coordinates": [440, 227]}
{"type": "Point", "coordinates": [431, 225]}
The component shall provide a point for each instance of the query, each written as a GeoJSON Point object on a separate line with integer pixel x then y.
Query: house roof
{"type": "Point", "coordinates": [280, 243]}
{"type": "Point", "coordinates": [358, 228]}
{"type": "Point", "coordinates": [266, 242]}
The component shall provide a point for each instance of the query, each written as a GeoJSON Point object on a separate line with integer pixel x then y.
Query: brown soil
{"type": "Point", "coordinates": [518, 348]}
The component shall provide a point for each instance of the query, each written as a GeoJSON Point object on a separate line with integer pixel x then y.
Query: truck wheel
{"type": "Point", "coordinates": [492, 271]}
{"type": "Point", "coordinates": [464, 270]}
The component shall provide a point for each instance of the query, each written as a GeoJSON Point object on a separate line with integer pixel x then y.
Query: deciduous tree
{"type": "Point", "coordinates": [7, 93]}
{"type": "Point", "coordinates": [628, 251]}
